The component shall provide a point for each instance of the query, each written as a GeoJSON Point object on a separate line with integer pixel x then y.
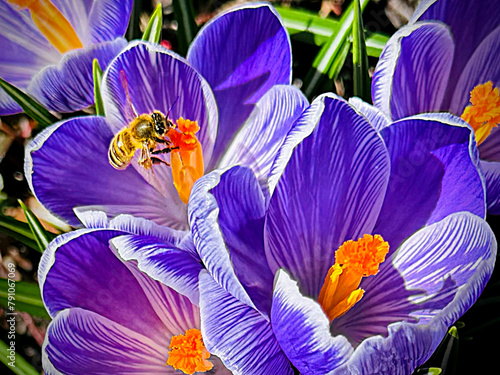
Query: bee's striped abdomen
{"type": "Point", "coordinates": [121, 149]}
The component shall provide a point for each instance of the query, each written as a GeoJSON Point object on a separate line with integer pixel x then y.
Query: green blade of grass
{"type": "Point", "coordinates": [29, 105]}
{"type": "Point", "coordinates": [361, 78]}
{"type": "Point", "coordinates": [153, 30]}
{"type": "Point", "coordinates": [186, 25]}
{"type": "Point", "coordinates": [97, 75]}
{"type": "Point", "coordinates": [41, 236]}
{"type": "Point", "coordinates": [19, 366]}
{"type": "Point", "coordinates": [18, 230]}
{"type": "Point", "coordinates": [330, 51]}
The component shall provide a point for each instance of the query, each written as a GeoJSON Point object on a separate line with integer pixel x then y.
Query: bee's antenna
{"type": "Point", "coordinates": [123, 79]}
{"type": "Point", "coordinates": [172, 106]}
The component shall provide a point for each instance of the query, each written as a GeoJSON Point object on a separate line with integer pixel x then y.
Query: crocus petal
{"type": "Point", "coordinates": [491, 173]}
{"type": "Point", "coordinates": [69, 86]}
{"type": "Point", "coordinates": [375, 116]}
{"type": "Point", "coordinates": [174, 267]}
{"type": "Point", "coordinates": [481, 20]}
{"type": "Point", "coordinates": [258, 141]}
{"type": "Point", "coordinates": [418, 57]}
{"type": "Point", "coordinates": [108, 19]}
{"type": "Point", "coordinates": [241, 222]}
{"type": "Point", "coordinates": [67, 165]}
{"type": "Point", "coordinates": [331, 191]}
{"type": "Point", "coordinates": [81, 341]}
{"type": "Point", "coordinates": [77, 14]}
{"type": "Point", "coordinates": [480, 68]}
{"type": "Point", "coordinates": [238, 334]}
{"type": "Point", "coordinates": [303, 330]}
{"type": "Point", "coordinates": [456, 247]}
{"type": "Point", "coordinates": [203, 215]}
{"type": "Point", "coordinates": [79, 270]}
{"type": "Point", "coordinates": [157, 79]}
{"type": "Point", "coordinates": [490, 149]}
{"type": "Point", "coordinates": [404, 348]}
{"type": "Point", "coordinates": [240, 66]}
{"type": "Point", "coordinates": [433, 162]}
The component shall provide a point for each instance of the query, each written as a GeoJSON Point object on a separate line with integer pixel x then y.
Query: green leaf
{"type": "Point", "coordinates": [153, 30]}
{"type": "Point", "coordinates": [18, 230]}
{"type": "Point", "coordinates": [330, 51]}
{"type": "Point", "coordinates": [29, 105]}
{"type": "Point", "coordinates": [97, 75]}
{"type": "Point", "coordinates": [42, 237]}
{"type": "Point", "coordinates": [26, 297]}
{"type": "Point", "coordinates": [375, 43]}
{"type": "Point", "coordinates": [186, 25]}
{"type": "Point", "coordinates": [428, 371]}
{"type": "Point", "coordinates": [338, 63]}
{"type": "Point", "coordinates": [20, 365]}
{"type": "Point", "coordinates": [361, 78]}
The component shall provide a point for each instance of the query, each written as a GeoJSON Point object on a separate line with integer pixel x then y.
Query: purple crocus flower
{"type": "Point", "coordinates": [282, 286]}
{"type": "Point", "coordinates": [108, 316]}
{"type": "Point", "coordinates": [433, 65]}
{"type": "Point", "coordinates": [49, 46]}
{"type": "Point", "coordinates": [229, 72]}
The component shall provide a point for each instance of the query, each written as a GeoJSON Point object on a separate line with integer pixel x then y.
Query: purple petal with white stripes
{"type": "Point", "coordinates": [238, 334]}
{"type": "Point", "coordinates": [331, 190]}
{"type": "Point", "coordinates": [491, 173]}
{"type": "Point", "coordinates": [241, 66]}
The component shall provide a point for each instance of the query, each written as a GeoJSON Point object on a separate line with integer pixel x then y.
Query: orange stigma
{"type": "Point", "coordinates": [186, 158]}
{"type": "Point", "coordinates": [484, 112]}
{"type": "Point", "coordinates": [353, 261]}
{"type": "Point", "coordinates": [188, 353]}
{"type": "Point", "coordinates": [51, 23]}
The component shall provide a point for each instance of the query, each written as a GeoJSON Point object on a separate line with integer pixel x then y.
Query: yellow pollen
{"type": "Point", "coordinates": [188, 353]}
{"type": "Point", "coordinates": [353, 261]}
{"type": "Point", "coordinates": [51, 23]}
{"type": "Point", "coordinates": [484, 112]}
{"type": "Point", "coordinates": [186, 158]}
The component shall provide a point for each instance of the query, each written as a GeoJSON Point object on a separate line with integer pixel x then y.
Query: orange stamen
{"type": "Point", "coordinates": [353, 261]}
{"type": "Point", "coordinates": [484, 112]}
{"type": "Point", "coordinates": [51, 23]}
{"type": "Point", "coordinates": [188, 353]}
{"type": "Point", "coordinates": [186, 158]}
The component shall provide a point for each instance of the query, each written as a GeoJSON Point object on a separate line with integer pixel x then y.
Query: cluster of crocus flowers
{"type": "Point", "coordinates": [439, 63]}
{"type": "Point", "coordinates": [52, 44]}
{"type": "Point", "coordinates": [272, 235]}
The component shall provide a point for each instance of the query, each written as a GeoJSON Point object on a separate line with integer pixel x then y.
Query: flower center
{"type": "Point", "coordinates": [188, 353]}
{"type": "Point", "coordinates": [186, 159]}
{"type": "Point", "coordinates": [353, 261]}
{"type": "Point", "coordinates": [484, 112]}
{"type": "Point", "coordinates": [51, 23]}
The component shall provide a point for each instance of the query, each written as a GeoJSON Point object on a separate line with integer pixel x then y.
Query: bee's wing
{"type": "Point", "coordinates": [131, 113]}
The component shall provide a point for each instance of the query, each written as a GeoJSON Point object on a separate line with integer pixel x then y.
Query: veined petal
{"type": "Point", "coordinates": [418, 57]}
{"type": "Point", "coordinates": [241, 222]}
{"type": "Point", "coordinates": [78, 269]}
{"type": "Point", "coordinates": [80, 340]}
{"type": "Point", "coordinates": [375, 116]}
{"type": "Point", "coordinates": [238, 334]}
{"type": "Point", "coordinates": [303, 330]}
{"type": "Point", "coordinates": [108, 19]}
{"type": "Point", "coordinates": [331, 190]}
{"type": "Point", "coordinates": [77, 13]}
{"type": "Point", "coordinates": [433, 162]}
{"type": "Point", "coordinates": [67, 165]}
{"type": "Point", "coordinates": [162, 261]}
{"type": "Point", "coordinates": [457, 247]}
{"type": "Point", "coordinates": [209, 239]}
{"type": "Point", "coordinates": [260, 138]}
{"type": "Point", "coordinates": [480, 68]}
{"type": "Point", "coordinates": [240, 66]}
{"type": "Point", "coordinates": [491, 173]}
{"type": "Point", "coordinates": [69, 86]}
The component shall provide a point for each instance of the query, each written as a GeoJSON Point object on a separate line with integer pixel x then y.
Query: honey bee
{"type": "Point", "coordinates": [145, 132]}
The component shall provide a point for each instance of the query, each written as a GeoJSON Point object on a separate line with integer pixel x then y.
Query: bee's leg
{"type": "Point", "coordinates": [145, 159]}
{"type": "Point", "coordinates": [165, 150]}
{"type": "Point", "coordinates": [157, 161]}
{"type": "Point", "coordinates": [161, 140]}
